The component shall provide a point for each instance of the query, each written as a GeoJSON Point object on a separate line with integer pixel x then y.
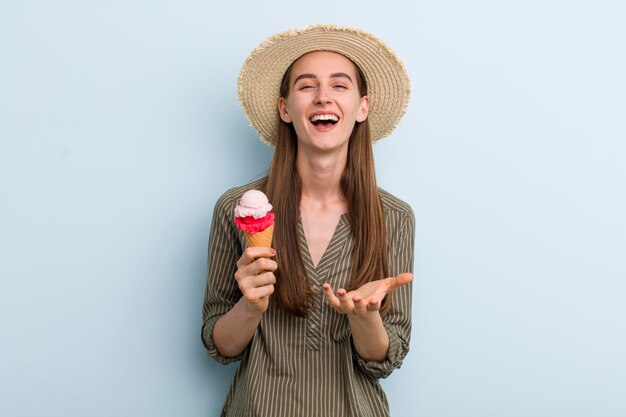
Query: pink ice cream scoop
{"type": "Point", "coordinates": [252, 214]}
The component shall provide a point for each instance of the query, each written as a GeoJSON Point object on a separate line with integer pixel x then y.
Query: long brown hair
{"type": "Point", "coordinates": [365, 212]}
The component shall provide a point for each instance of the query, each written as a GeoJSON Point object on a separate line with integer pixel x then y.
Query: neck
{"type": "Point", "coordinates": [321, 176]}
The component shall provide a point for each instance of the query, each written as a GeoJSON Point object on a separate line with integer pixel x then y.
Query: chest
{"type": "Point", "coordinates": [319, 228]}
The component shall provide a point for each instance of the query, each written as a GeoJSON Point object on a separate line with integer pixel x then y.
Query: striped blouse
{"type": "Point", "coordinates": [307, 367]}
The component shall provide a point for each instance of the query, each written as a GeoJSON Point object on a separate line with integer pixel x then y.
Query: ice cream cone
{"type": "Point", "coordinates": [262, 239]}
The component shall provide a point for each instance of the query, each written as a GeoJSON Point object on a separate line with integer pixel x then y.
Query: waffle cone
{"type": "Point", "coordinates": [262, 239]}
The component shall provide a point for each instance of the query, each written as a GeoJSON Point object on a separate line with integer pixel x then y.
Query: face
{"type": "Point", "coordinates": [323, 101]}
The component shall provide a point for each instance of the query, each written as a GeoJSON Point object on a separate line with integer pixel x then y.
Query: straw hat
{"type": "Point", "coordinates": [261, 74]}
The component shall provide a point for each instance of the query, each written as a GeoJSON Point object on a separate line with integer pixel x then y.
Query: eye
{"type": "Point", "coordinates": [341, 86]}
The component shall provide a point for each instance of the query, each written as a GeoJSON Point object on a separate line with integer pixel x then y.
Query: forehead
{"type": "Point", "coordinates": [323, 63]}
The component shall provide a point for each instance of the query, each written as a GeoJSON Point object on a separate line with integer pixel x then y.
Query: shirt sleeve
{"type": "Point", "coordinates": [397, 321]}
{"type": "Point", "coordinates": [221, 291]}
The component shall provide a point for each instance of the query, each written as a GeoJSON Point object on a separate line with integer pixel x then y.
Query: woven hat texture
{"type": "Point", "coordinates": [261, 74]}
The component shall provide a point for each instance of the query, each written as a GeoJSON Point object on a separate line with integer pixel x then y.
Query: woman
{"type": "Point", "coordinates": [312, 319]}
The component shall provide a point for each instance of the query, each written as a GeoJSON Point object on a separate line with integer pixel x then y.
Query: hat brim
{"type": "Point", "coordinates": [261, 75]}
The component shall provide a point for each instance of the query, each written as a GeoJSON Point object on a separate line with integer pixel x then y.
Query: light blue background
{"type": "Point", "coordinates": [120, 127]}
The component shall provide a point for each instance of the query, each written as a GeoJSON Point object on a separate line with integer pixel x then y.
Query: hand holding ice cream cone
{"type": "Point", "coordinates": [254, 269]}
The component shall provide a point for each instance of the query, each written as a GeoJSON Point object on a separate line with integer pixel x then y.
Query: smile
{"type": "Point", "coordinates": [324, 120]}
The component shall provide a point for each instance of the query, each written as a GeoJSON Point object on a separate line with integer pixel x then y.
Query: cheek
{"type": "Point", "coordinates": [356, 111]}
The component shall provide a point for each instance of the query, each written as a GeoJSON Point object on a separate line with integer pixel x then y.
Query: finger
{"type": "Point", "coordinates": [261, 265]}
{"type": "Point", "coordinates": [400, 280]}
{"type": "Point", "coordinates": [330, 295]}
{"type": "Point", "coordinates": [345, 302]}
{"type": "Point", "coordinates": [251, 254]}
{"type": "Point", "coordinates": [256, 295]}
{"type": "Point", "coordinates": [253, 281]}
{"type": "Point", "coordinates": [257, 267]}
{"type": "Point", "coordinates": [360, 306]}
{"type": "Point", "coordinates": [257, 286]}
{"type": "Point", "coordinates": [373, 305]}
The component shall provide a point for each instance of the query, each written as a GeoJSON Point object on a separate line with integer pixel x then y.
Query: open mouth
{"type": "Point", "coordinates": [324, 120]}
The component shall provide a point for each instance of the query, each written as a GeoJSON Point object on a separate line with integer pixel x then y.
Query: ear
{"type": "Point", "coordinates": [364, 108]}
{"type": "Point", "coordinates": [282, 110]}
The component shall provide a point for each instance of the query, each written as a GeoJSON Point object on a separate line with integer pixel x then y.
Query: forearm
{"type": "Point", "coordinates": [234, 330]}
{"type": "Point", "coordinates": [370, 338]}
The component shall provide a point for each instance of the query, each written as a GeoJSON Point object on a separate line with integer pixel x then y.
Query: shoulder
{"type": "Point", "coordinates": [394, 206]}
{"type": "Point", "coordinates": [231, 197]}
{"type": "Point", "coordinates": [400, 224]}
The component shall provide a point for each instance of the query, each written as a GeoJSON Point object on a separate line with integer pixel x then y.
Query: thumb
{"type": "Point", "coordinates": [401, 280]}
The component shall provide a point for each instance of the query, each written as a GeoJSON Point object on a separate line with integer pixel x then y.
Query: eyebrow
{"type": "Point", "coordinates": [333, 75]}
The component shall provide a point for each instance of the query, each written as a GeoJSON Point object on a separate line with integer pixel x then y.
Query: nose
{"type": "Point", "coordinates": [323, 95]}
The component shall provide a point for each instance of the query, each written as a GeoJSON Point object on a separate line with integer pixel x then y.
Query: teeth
{"type": "Point", "coordinates": [323, 117]}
